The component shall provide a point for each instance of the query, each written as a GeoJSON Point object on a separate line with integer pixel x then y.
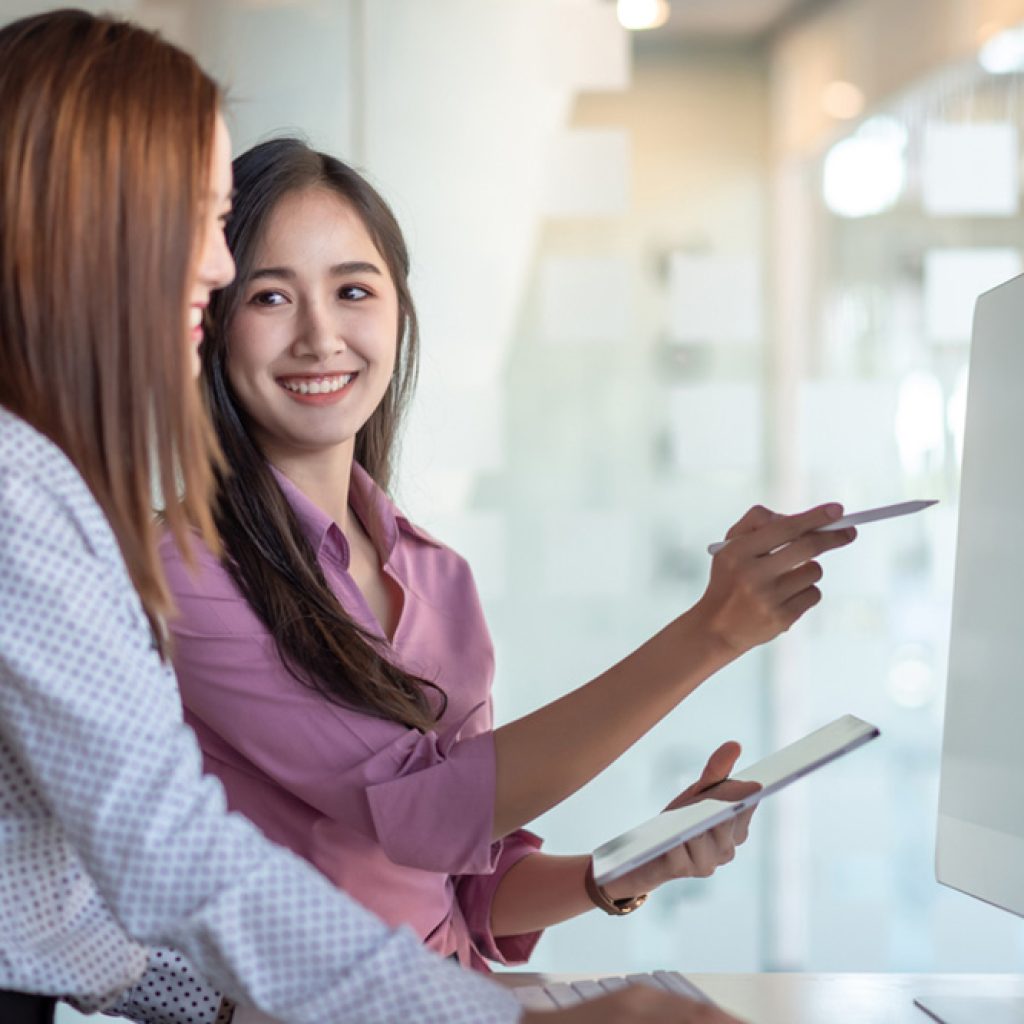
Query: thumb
{"type": "Point", "coordinates": [720, 765]}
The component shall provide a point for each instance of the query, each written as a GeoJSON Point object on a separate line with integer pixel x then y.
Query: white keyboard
{"type": "Point", "coordinates": [565, 993]}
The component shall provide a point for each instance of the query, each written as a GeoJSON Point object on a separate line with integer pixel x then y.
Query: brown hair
{"type": "Point", "coordinates": [106, 133]}
{"type": "Point", "coordinates": [268, 555]}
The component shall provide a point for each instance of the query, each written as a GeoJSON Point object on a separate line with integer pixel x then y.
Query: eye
{"type": "Point", "coordinates": [267, 298]}
{"type": "Point", "coordinates": [353, 292]}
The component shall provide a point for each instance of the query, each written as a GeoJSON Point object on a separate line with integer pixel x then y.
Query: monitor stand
{"type": "Point", "coordinates": [973, 1009]}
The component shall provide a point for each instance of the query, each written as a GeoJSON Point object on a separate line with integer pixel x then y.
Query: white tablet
{"type": "Point", "coordinates": [670, 828]}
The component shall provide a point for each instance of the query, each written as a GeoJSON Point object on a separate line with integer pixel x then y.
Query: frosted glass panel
{"type": "Point", "coordinates": [849, 426]}
{"type": "Point", "coordinates": [971, 169]}
{"type": "Point", "coordinates": [588, 174]}
{"type": "Point", "coordinates": [590, 555]}
{"type": "Point", "coordinates": [585, 300]}
{"type": "Point", "coordinates": [713, 298]}
{"type": "Point", "coordinates": [953, 280]}
{"type": "Point", "coordinates": [716, 427]}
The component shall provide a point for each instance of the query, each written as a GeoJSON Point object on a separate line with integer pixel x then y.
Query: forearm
{"type": "Point", "coordinates": [542, 890]}
{"type": "Point", "coordinates": [546, 756]}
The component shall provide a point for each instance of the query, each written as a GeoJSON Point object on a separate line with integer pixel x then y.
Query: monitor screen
{"type": "Point", "coordinates": [980, 845]}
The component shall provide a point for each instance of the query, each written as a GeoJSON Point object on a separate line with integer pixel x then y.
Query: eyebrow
{"type": "Point", "coordinates": [338, 270]}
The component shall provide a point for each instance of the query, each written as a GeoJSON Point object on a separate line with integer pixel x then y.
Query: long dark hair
{"type": "Point", "coordinates": [106, 133]}
{"type": "Point", "coordinates": [268, 555]}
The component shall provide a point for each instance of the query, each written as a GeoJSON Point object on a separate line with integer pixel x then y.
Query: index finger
{"type": "Point", "coordinates": [753, 519]}
{"type": "Point", "coordinates": [785, 529]}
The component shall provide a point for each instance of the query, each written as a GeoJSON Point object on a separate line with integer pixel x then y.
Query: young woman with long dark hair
{"type": "Point", "coordinates": [114, 182]}
{"type": "Point", "coordinates": [335, 662]}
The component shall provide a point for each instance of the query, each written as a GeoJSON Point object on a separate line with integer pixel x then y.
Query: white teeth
{"type": "Point", "coordinates": [323, 386]}
{"type": "Point", "coordinates": [195, 316]}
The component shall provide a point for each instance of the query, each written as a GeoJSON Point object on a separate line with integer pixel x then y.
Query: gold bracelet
{"type": "Point", "coordinates": [617, 908]}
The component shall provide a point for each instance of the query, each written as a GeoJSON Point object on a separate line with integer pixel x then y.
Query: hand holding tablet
{"type": "Point", "coordinates": [870, 515]}
{"type": "Point", "coordinates": [642, 844]}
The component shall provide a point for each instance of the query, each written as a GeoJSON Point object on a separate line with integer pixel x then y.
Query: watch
{"type": "Point", "coordinates": [617, 908]}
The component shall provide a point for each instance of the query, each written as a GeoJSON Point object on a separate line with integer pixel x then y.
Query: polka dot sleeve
{"type": "Point", "coordinates": [116, 831]}
{"type": "Point", "coordinates": [170, 992]}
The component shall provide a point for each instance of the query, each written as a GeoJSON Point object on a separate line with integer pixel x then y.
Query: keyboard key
{"type": "Point", "coordinates": [563, 993]}
{"type": "Point", "coordinates": [533, 997]}
{"type": "Point", "coordinates": [675, 982]}
{"type": "Point", "coordinates": [646, 979]}
{"type": "Point", "coordinates": [588, 989]}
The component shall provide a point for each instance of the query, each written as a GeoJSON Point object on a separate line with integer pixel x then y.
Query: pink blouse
{"type": "Point", "coordinates": [399, 819]}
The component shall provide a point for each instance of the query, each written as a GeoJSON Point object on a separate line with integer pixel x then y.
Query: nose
{"type": "Point", "coordinates": [216, 264]}
{"type": "Point", "coordinates": [320, 334]}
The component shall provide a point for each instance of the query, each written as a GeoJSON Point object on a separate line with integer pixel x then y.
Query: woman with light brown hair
{"type": "Point", "coordinates": [114, 183]}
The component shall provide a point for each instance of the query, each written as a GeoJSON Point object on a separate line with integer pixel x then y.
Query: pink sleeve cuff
{"type": "Point", "coordinates": [475, 894]}
{"type": "Point", "coordinates": [438, 812]}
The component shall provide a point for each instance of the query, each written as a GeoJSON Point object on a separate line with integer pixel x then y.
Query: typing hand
{"type": "Point", "coordinates": [701, 856]}
{"type": "Point", "coordinates": [764, 579]}
{"type": "Point", "coordinates": [634, 1005]}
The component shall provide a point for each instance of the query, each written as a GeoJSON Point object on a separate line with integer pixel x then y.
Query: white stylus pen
{"type": "Point", "coordinates": [869, 515]}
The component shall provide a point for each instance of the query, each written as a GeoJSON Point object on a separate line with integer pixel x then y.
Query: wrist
{"type": "Point", "coordinates": [604, 900]}
{"type": "Point", "coordinates": [704, 634]}
{"type": "Point", "coordinates": [630, 886]}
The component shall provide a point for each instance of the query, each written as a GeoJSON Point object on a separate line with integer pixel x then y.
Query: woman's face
{"type": "Point", "coordinates": [214, 268]}
{"type": "Point", "coordinates": [311, 349]}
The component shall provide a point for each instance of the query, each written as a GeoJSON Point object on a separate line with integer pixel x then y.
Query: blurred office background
{"type": "Point", "coordinates": [662, 275]}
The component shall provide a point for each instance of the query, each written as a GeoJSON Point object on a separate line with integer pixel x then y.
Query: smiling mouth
{"type": "Point", "coordinates": [325, 385]}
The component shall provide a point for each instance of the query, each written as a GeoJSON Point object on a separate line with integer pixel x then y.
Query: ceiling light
{"type": "Point", "coordinates": [1003, 54]}
{"type": "Point", "coordinates": [642, 14]}
{"type": "Point", "coordinates": [865, 173]}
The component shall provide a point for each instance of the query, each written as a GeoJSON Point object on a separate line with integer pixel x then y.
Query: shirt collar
{"type": "Point", "coordinates": [378, 514]}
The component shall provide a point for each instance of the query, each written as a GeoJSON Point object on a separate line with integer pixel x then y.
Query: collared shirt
{"type": "Point", "coordinates": [400, 819]}
{"type": "Point", "coordinates": [107, 827]}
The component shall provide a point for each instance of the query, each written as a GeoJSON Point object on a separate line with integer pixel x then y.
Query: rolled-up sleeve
{"type": "Point", "coordinates": [437, 812]}
{"type": "Point", "coordinates": [475, 895]}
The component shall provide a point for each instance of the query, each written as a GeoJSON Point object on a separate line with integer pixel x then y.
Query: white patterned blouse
{"type": "Point", "coordinates": [110, 837]}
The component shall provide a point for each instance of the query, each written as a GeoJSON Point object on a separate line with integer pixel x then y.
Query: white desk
{"type": "Point", "coordinates": [828, 998]}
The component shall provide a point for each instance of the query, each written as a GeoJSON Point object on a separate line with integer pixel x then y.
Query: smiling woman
{"type": "Point", "coordinates": [320, 303]}
{"type": "Point", "coordinates": [312, 332]}
{"type": "Point", "coordinates": [336, 664]}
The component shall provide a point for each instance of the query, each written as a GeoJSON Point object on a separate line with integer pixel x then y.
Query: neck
{"type": "Point", "coordinates": [324, 477]}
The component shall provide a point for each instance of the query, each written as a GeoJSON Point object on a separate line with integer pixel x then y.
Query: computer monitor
{"type": "Point", "coordinates": [980, 838]}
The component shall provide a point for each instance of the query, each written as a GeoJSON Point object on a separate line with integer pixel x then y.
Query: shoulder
{"type": "Point", "coordinates": [417, 533]}
{"type": "Point", "coordinates": [197, 573]}
{"type": "Point", "coordinates": [435, 569]}
{"type": "Point", "coordinates": [43, 494]}
{"type": "Point", "coordinates": [207, 600]}
{"type": "Point", "coordinates": [424, 548]}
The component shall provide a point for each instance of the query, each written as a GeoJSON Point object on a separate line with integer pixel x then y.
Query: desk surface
{"type": "Point", "coordinates": [828, 998]}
